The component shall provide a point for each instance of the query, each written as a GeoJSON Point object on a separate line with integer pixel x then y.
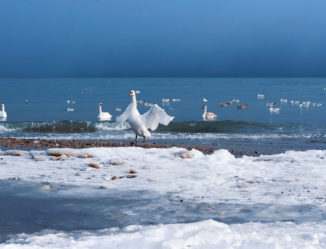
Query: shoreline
{"type": "Point", "coordinates": [26, 143]}
{"type": "Point", "coordinates": [81, 144]}
{"type": "Point", "coordinates": [238, 150]}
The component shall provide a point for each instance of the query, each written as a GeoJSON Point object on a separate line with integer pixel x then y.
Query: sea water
{"type": "Point", "coordinates": [68, 109]}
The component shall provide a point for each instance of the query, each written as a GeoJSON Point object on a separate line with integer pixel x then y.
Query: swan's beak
{"type": "Point", "coordinates": [131, 94]}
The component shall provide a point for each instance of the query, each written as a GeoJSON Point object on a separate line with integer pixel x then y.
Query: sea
{"type": "Point", "coordinates": [132, 197]}
{"type": "Point", "coordinates": [281, 113]}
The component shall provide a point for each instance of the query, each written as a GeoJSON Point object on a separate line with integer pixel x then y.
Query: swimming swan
{"type": "Point", "coordinates": [141, 123]}
{"type": "Point", "coordinates": [103, 116]}
{"type": "Point", "coordinates": [208, 115]}
{"type": "Point", "coordinates": [3, 114]}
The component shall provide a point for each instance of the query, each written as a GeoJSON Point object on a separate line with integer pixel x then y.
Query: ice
{"type": "Point", "coordinates": [204, 234]}
{"type": "Point", "coordinates": [239, 193]}
{"type": "Point", "coordinates": [287, 178]}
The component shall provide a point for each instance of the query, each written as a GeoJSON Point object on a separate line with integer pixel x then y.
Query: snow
{"type": "Point", "coordinates": [287, 178]}
{"type": "Point", "coordinates": [287, 185]}
{"type": "Point", "coordinates": [204, 234]}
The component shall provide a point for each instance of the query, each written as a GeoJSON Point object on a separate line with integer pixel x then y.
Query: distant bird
{"type": "Point", "coordinates": [141, 123]}
{"type": "Point", "coordinates": [208, 115]}
{"type": "Point", "coordinates": [316, 104]}
{"type": "Point", "coordinates": [166, 100]}
{"type": "Point", "coordinates": [270, 104]}
{"type": "Point", "coordinates": [3, 114]}
{"type": "Point", "coordinates": [236, 101]}
{"type": "Point", "coordinates": [274, 110]}
{"type": "Point", "coordinates": [260, 96]}
{"type": "Point", "coordinates": [26, 101]}
{"type": "Point", "coordinates": [176, 100]}
{"type": "Point", "coordinates": [243, 106]}
{"type": "Point", "coordinates": [70, 109]}
{"type": "Point", "coordinates": [103, 116]}
{"type": "Point", "coordinates": [205, 100]}
{"type": "Point", "coordinates": [118, 109]}
{"type": "Point", "coordinates": [225, 104]}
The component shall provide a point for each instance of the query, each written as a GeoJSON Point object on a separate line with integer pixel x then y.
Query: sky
{"type": "Point", "coordinates": [162, 38]}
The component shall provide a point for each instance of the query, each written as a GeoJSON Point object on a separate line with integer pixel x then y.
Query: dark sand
{"type": "Point", "coordinates": [238, 148]}
{"type": "Point", "coordinates": [78, 144]}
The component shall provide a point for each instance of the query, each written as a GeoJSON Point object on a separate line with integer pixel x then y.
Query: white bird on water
{"type": "Point", "coordinates": [208, 115]}
{"type": "Point", "coordinates": [3, 114]}
{"type": "Point", "coordinates": [103, 116]}
{"type": "Point", "coordinates": [141, 123]}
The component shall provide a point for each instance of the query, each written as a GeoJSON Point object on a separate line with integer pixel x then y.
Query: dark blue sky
{"type": "Point", "coordinates": [105, 38]}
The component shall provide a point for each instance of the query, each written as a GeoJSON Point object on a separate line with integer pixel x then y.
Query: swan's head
{"type": "Point", "coordinates": [100, 104]}
{"type": "Point", "coordinates": [204, 106]}
{"type": "Point", "coordinates": [132, 93]}
{"type": "Point", "coordinates": [2, 106]}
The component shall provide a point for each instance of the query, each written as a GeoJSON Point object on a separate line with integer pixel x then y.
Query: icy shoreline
{"type": "Point", "coordinates": [251, 197]}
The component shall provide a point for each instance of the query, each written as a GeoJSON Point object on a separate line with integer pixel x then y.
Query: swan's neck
{"type": "Point", "coordinates": [100, 109]}
{"type": "Point", "coordinates": [205, 111]}
{"type": "Point", "coordinates": [134, 102]}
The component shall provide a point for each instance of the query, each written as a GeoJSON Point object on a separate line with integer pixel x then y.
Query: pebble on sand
{"type": "Point", "coordinates": [186, 154]}
{"type": "Point", "coordinates": [15, 153]}
{"type": "Point", "coordinates": [117, 163]}
{"type": "Point", "coordinates": [85, 156]}
{"type": "Point", "coordinates": [94, 165]}
{"type": "Point", "coordinates": [56, 154]}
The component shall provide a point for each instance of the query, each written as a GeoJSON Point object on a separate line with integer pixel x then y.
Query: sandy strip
{"type": "Point", "coordinates": [77, 144]}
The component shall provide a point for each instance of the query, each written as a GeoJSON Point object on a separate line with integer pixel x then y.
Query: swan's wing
{"type": "Point", "coordinates": [154, 116]}
{"type": "Point", "coordinates": [124, 116]}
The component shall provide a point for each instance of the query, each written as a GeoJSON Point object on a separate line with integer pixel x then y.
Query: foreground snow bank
{"type": "Point", "coordinates": [204, 234]}
{"type": "Point", "coordinates": [287, 178]}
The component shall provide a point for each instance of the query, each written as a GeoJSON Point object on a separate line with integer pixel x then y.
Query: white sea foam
{"type": "Point", "coordinates": [112, 134]}
{"type": "Point", "coordinates": [4, 129]}
{"type": "Point", "coordinates": [116, 126]}
{"type": "Point", "coordinates": [201, 235]}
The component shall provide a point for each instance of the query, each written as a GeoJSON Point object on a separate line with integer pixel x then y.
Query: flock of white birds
{"type": "Point", "coordinates": [140, 124]}
{"type": "Point", "coordinates": [301, 104]}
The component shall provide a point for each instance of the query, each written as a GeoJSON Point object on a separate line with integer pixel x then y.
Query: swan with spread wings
{"type": "Point", "coordinates": [141, 123]}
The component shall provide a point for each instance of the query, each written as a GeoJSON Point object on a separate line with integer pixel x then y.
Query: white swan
{"type": "Point", "coordinates": [208, 115]}
{"type": "Point", "coordinates": [103, 116]}
{"type": "Point", "coordinates": [141, 123]}
{"type": "Point", "coordinates": [3, 114]}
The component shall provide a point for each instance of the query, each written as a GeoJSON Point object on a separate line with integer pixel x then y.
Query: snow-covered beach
{"type": "Point", "coordinates": [129, 197]}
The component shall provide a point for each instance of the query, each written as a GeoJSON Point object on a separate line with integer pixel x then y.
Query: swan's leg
{"type": "Point", "coordinates": [136, 138]}
{"type": "Point", "coordinates": [144, 139]}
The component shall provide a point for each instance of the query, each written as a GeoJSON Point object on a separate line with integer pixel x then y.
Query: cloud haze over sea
{"type": "Point", "coordinates": [162, 38]}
